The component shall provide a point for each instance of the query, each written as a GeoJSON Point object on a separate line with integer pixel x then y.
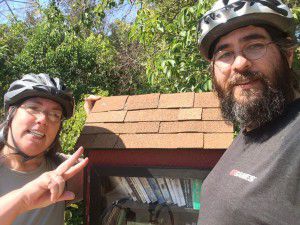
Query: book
{"type": "Point", "coordinates": [122, 188]}
{"type": "Point", "coordinates": [127, 187]}
{"type": "Point", "coordinates": [196, 190]}
{"type": "Point", "coordinates": [139, 187]}
{"type": "Point", "coordinates": [153, 184]}
{"type": "Point", "coordinates": [187, 191]}
{"type": "Point", "coordinates": [171, 191]}
{"type": "Point", "coordinates": [148, 189]}
{"type": "Point", "coordinates": [164, 190]}
{"type": "Point", "coordinates": [179, 191]}
{"type": "Point", "coordinates": [131, 185]}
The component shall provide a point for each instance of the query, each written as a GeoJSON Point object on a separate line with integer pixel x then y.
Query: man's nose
{"type": "Point", "coordinates": [241, 63]}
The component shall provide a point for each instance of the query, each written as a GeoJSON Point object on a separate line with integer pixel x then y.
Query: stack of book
{"type": "Point", "coordinates": [163, 190]}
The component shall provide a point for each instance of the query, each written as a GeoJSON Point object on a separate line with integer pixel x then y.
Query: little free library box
{"type": "Point", "coordinates": [148, 156]}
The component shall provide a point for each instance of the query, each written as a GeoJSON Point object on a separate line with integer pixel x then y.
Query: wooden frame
{"type": "Point", "coordinates": [183, 163]}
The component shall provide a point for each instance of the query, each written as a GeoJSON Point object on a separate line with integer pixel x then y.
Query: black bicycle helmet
{"type": "Point", "coordinates": [40, 85]}
{"type": "Point", "coordinates": [228, 15]}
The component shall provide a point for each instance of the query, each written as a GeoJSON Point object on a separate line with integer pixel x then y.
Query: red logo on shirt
{"type": "Point", "coordinates": [242, 175]}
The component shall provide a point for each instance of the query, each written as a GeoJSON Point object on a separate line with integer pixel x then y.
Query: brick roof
{"type": "Point", "coordinates": [181, 120]}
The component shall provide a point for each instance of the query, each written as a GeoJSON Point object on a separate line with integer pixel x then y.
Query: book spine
{"type": "Point", "coordinates": [171, 190]}
{"type": "Point", "coordinates": [179, 191]}
{"type": "Point", "coordinates": [196, 190]}
{"type": "Point", "coordinates": [125, 184]}
{"type": "Point", "coordinates": [176, 192]}
{"type": "Point", "coordinates": [186, 183]}
{"type": "Point", "coordinates": [132, 186]}
{"type": "Point", "coordinates": [156, 190]}
{"type": "Point", "coordinates": [164, 190]}
{"type": "Point", "coordinates": [148, 189]}
{"type": "Point", "coordinates": [140, 189]}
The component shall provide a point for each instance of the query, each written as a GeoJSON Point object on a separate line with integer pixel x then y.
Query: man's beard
{"type": "Point", "coordinates": [266, 106]}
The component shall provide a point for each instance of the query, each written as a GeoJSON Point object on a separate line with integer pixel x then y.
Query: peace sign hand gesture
{"type": "Point", "coordinates": [50, 186]}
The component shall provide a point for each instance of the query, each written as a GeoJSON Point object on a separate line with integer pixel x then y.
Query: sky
{"type": "Point", "coordinates": [126, 12]}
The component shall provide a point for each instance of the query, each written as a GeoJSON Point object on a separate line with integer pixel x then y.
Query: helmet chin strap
{"type": "Point", "coordinates": [19, 152]}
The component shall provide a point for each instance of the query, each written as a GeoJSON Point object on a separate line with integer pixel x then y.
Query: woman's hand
{"type": "Point", "coordinates": [50, 186]}
{"type": "Point", "coordinates": [89, 102]}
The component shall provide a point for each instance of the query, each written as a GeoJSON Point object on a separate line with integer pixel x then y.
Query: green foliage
{"type": "Point", "coordinates": [74, 214]}
{"type": "Point", "coordinates": [174, 63]}
{"type": "Point", "coordinates": [156, 53]}
{"type": "Point", "coordinates": [72, 127]}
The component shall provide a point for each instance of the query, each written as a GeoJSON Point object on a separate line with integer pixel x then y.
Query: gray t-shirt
{"type": "Point", "coordinates": [11, 180]}
{"type": "Point", "coordinates": [257, 180]}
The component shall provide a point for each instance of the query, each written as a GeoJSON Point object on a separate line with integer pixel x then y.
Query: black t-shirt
{"type": "Point", "coordinates": [257, 180]}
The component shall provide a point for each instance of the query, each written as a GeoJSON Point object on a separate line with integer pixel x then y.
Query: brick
{"type": "Point", "coordinates": [195, 126]}
{"type": "Point", "coordinates": [112, 116]}
{"type": "Point", "coordinates": [190, 140]}
{"type": "Point", "coordinates": [160, 141]}
{"type": "Point", "coordinates": [110, 103]}
{"type": "Point", "coordinates": [152, 115]}
{"type": "Point", "coordinates": [190, 114]}
{"type": "Point", "coordinates": [149, 101]}
{"type": "Point", "coordinates": [212, 114]}
{"type": "Point", "coordinates": [206, 99]}
{"type": "Point", "coordinates": [121, 128]}
{"type": "Point", "coordinates": [178, 100]}
{"type": "Point", "coordinates": [219, 140]}
{"type": "Point", "coordinates": [105, 141]}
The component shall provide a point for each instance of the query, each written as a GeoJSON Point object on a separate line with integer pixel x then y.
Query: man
{"type": "Point", "coordinates": [250, 45]}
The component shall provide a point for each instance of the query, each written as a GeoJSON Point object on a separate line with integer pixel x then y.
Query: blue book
{"type": "Point", "coordinates": [156, 190]}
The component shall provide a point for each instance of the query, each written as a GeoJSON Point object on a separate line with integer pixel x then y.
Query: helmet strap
{"type": "Point", "coordinates": [17, 150]}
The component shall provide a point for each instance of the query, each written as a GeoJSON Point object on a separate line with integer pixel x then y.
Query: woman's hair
{"type": "Point", "coordinates": [51, 153]}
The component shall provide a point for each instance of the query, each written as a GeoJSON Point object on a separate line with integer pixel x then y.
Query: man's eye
{"type": "Point", "coordinates": [224, 55]}
{"type": "Point", "coordinates": [255, 46]}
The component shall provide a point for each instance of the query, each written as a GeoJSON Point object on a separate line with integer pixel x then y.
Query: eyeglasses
{"type": "Point", "coordinates": [54, 116]}
{"type": "Point", "coordinates": [252, 51]}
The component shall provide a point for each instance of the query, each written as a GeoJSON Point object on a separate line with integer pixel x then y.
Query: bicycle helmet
{"type": "Point", "coordinates": [228, 15]}
{"type": "Point", "coordinates": [40, 85]}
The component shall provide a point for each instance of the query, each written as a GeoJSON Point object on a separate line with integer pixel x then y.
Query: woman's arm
{"type": "Point", "coordinates": [42, 191]}
{"type": "Point", "coordinates": [11, 205]}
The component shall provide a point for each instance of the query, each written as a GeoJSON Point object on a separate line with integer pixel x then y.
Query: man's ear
{"type": "Point", "coordinates": [290, 56]}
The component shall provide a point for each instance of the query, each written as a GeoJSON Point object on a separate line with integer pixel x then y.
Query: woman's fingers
{"type": "Point", "coordinates": [62, 168]}
{"type": "Point", "coordinates": [89, 102]}
{"type": "Point", "coordinates": [56, 186]}
{"type": "Point", "coordinates": [75, 169]}
{"type": "Point", "coordinates": [66, 196]}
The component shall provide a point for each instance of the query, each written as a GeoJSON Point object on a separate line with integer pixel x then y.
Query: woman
{"type": "Point", "coordinates": [33, 188]}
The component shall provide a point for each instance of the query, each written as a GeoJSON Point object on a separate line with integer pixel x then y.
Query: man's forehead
{"type": "Point", "coordinates": [243, 34]}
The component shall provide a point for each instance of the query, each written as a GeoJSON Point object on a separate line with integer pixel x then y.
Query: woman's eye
{"type": "Point", "coordinates": [33, 108]}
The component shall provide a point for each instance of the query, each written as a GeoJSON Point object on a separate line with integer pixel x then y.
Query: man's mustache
{"type": "Point", "coordinates": [244, 77]}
